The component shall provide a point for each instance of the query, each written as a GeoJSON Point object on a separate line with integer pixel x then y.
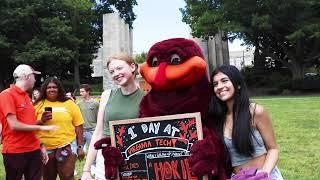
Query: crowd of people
{"type": "Point", "coordinates": [51, 130]}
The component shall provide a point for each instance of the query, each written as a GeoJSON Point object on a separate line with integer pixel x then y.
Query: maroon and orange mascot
{"type": "Point", "coordinates": [176, 70]}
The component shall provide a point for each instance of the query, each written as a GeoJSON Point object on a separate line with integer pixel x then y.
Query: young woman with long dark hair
{"type": "Point", "coordinates": [245, 126]}
{"type": "Point", "coordinates": [66, 143]}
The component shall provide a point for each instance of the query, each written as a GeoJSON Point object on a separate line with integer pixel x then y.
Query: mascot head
{"type": "Point", "coordinates": [173, 64]}
{"type": "Point", "coordinates": [176, 70]}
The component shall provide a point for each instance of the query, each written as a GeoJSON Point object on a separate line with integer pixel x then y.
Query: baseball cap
{"type": "Point", "coordinates": [24, 70]}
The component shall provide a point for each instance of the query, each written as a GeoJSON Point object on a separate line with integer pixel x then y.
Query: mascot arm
{"type": "Point", "coordinates": [204, 155]}
{"type": "Point", "coordinates": [112, 157]}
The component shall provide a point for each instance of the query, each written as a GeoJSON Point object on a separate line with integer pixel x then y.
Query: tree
{"type": "Point", "coordinates": [286, 30]}
{"type": "Point", "coordinates": [140, 58]}
{"type": "Point", "coordinates": [58, 37]}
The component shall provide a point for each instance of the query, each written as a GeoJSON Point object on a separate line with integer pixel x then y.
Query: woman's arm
{"type": "Point", "coordinates": [97, 134]}
{"type": "Point", "coordinates": [263, 124]}
{"type": "Point", "coordinates": [79, 138]}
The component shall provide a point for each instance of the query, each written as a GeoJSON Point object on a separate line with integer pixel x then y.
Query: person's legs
{"type": "Point", "coordinates": [66, 168]}
{"type": "Point", "coordinates": [50, 169]}
{"type": "Point", "coordinates": [87, 139]}
{"type": "Point", "coordinates": [34, 166]}
{"type": "Point", "coordinates": [14, 164]}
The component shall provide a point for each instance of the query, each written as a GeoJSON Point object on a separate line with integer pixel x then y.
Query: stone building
{"type": "Point", "coordinates": [117, 38]}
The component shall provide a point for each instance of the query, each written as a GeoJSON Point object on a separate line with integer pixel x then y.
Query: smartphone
{"type": "Point", "coordinates": [48, 109]}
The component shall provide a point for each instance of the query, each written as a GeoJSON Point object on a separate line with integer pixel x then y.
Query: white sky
{"type": "Point", "coordinates": [159, 20]}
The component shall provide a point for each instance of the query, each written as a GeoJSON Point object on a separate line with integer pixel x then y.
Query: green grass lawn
{"type": "Point", "coordinates": [79, 166]}
{"type": "Point", "coordinates": [296, 121]}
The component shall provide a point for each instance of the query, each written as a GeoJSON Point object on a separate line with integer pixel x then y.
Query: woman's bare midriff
{"type": "Point", "coordinates": [256, 162]}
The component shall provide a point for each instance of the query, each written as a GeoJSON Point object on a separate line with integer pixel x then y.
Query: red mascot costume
{"type": "Point", "coordinates": [176, 70]}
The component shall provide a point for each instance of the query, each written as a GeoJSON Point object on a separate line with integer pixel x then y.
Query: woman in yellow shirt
{"type": "Point", "coordinates": [64, 144]}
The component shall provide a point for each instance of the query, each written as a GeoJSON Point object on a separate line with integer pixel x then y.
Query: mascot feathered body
{"type": "Point", "coordinates": [176, 70]}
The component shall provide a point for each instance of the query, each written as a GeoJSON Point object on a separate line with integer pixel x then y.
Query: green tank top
{"type": "Point", "coordinates": [121, 106]}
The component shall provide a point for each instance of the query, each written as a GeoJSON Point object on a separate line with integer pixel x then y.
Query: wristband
{"type": "Point", "coordinates": [80, 146]}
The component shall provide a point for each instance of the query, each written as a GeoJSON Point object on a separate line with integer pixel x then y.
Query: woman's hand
{"type": "Point", "coordinates": [44, 155]}
{"type": "Point", "coordinates": [251, 173]}
{"type": "Point", "coordinates": [86, 175]}
{"type": "Point", "coordinates": [80, 153]}
{"type": "Point", "coordinates": [46, 116]}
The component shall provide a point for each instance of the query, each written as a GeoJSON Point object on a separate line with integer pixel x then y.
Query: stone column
{"type": "Point", "coordinates": [116, 39]}
{"type": "Point", "coordinates": [97, 66]}
{"type": "Point", "coordinates": [215, 51]}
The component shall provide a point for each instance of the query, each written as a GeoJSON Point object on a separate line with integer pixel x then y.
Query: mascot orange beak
{"type": "Point", "coordinates": [166, 77]}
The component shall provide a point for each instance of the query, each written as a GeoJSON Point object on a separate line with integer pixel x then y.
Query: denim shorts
{"type": "Point", "coordinates": [275, 174]}
{"type": "Point", "coordinates": [73, 148]}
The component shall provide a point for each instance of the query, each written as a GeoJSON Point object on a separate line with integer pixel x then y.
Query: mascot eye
{"type": "Point", "coordinates": [175, 59]}
{"type": "Point", "coordinates": [154, 62]}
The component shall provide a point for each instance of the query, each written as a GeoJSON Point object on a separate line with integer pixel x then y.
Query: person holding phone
{"type": "Point", "coordinates": [65, 144]}
{"type": "Point", "coordinates": [21, 149]}
{"type": "Point", "coordinates": [46, 115]}
{"type": "Point", "coordinates": [48, 109]}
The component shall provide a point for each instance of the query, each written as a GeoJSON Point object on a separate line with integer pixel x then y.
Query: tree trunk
{"type": "Point", "coordinates": [75, 20]}
{"type": "Point", "coordinates": [5, 72]}
{"type": "Point", "coordinates": [295, 67]}
{"type": "Point", "coordinates": [76, 73]}
{"type": "Point", "coordinates": [297, 63]}
{"type": "Point", "coordinates": [2, 85]}
{"type": "Point", "coordinates": [297, 70]}
{"type": "Point", "coordinates": [259, 61]}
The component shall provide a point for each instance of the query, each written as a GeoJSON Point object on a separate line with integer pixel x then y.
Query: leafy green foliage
{"type": "Point", "coordinates": [125, 9]}
{"type": "Point", "coordinates": [140, 58]}
{"type": "Point", "coordinates": [58, 37]}
{"type": "Point", "coordinates": [285, 30]}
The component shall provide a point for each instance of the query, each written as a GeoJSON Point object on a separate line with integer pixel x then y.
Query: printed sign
{"type": "Point", "coordinates": [156, 147]}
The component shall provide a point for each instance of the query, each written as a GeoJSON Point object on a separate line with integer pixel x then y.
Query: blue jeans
{"type": "Point", "coordinates": [87, 135]}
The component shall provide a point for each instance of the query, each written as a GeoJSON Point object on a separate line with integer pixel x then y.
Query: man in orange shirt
{"type": "Point", "coordinates": [22, 153]}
